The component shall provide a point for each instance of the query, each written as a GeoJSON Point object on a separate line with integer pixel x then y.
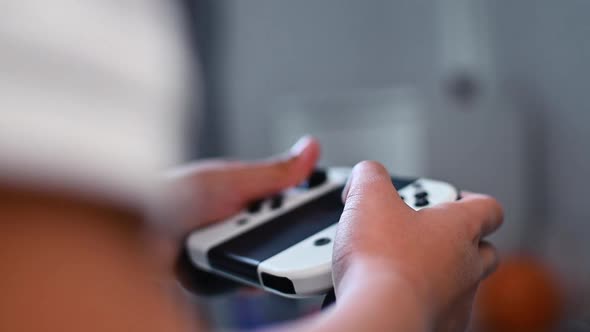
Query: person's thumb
{"type": "Point", "coordinates": [254, 180]}
{"type": "Point", "coordinates": [369, 199]}
{"type": "Point", "coordinates": [369, 188]}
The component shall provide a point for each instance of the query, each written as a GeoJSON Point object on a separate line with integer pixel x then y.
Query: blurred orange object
{"type": "Point", "coordinates": [523, 295]}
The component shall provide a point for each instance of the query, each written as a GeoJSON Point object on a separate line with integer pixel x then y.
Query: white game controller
{"type": "Point", "coordinates": [283, 244]}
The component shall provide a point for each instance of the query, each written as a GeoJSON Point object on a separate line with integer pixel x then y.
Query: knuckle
{"type": "Point", "coordinates": [354, 196]}
{"type": "Point", "coordinates": [460, 219]}
{"type": "Point", "coordinates": [488, 203]}
{"type": "Point", "coordinates": [352, 209]}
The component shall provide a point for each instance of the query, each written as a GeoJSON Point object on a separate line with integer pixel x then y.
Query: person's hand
{"type": "Point", "coordinates": [432, 259]}
{"type": "Point", "coordinates": [210, 191]}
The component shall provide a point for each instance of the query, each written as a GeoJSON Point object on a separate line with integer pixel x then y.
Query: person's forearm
{"type": "Point", "coordinates": [370, 303]}
{"type": "Point", "coordinates": [73, 265]}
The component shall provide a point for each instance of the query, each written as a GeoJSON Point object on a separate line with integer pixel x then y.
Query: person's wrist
{"type": "Point", "coordinates": [386, 289]}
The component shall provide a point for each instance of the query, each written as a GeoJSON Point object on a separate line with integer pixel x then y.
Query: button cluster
{"type": "Point", "coordinates": [420, 195]}
{"type": "Point", "coordinates": [315, 179]}
{"type": "Point", "coordinates": [255, 206]}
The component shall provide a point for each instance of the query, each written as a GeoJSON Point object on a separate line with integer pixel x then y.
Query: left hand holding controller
{"type": "Point", "coordinates": [209, 191]}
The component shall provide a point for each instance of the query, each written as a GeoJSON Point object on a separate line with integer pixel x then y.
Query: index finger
{"type": "Point", "coordinates": [484, 210]}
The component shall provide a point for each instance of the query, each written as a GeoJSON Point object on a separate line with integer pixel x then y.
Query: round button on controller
{"type": "Point", "coordinates": [421, 194]}
{"type": "Point", "coordinates": [322, 241]}
{"type": "Point", "coordinates": [421, 202]}
{"type": "Point", "coordinates": [276, 201]}
{"type": "Point", "coordinates": [255, 206]}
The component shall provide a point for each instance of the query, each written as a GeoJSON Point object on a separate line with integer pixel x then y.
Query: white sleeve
{"type": "Point", "coordinates": [91, 95]}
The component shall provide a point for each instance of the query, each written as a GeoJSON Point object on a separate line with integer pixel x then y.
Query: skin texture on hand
{"type": "Point", "coordinates": [437, 252]}
{"type": "Point", "coordinates": [210, 191]}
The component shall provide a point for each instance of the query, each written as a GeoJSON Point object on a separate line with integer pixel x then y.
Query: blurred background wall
{"type": "Point", "coordinates": [489, 95]}
{"type": "Point", "coordinates": [260, 50]}
{"type": "Point", "coordinates": [543, 49]}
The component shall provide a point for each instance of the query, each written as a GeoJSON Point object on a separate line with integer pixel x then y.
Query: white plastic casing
{"type": "Point", "coordinates": [306, 265]}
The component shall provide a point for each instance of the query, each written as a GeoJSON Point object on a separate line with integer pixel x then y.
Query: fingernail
{"type": "Point", "coordinates": [301, 144]}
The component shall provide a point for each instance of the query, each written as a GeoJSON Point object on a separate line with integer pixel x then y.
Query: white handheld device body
{"type": "Point", "coordinates": [283, 244]}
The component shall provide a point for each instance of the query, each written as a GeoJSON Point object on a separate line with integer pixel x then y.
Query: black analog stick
{"type": "Point", "coordinates": [316, 178]}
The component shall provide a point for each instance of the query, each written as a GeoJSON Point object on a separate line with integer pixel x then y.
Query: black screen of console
{"type": "Point", "coordinates": [242, 254]}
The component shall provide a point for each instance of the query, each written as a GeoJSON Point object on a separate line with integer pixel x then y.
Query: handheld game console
{"type": "Point", "coordinates": [283, 244]}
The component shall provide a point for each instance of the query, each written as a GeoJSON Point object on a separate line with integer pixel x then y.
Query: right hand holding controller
{"type": "Point", "coordinates": [424, 266]}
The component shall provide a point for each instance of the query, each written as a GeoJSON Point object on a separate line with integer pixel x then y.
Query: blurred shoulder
{"type": "Point", "coordinates": [93, 93]}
